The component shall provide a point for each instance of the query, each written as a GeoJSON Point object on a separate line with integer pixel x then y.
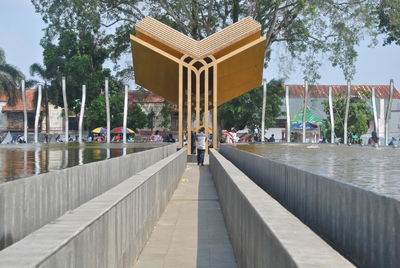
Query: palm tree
{"type": "Point", "coordinates": [38, 70]}
{"type": "Point", "coordinates": [10, 77]}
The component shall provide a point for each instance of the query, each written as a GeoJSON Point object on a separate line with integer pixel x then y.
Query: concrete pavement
{"type": "Point", "coordinates": [191, 232]}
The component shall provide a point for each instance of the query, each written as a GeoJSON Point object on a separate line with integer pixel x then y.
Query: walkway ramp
{"type": "Point", "coordinates": [191, 232]}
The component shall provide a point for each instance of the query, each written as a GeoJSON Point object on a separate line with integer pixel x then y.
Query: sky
{"type": "Point", "coordinates": [21, 30]}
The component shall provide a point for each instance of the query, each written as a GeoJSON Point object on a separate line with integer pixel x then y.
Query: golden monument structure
{"type": "Point", "coordinates": [198, 76]}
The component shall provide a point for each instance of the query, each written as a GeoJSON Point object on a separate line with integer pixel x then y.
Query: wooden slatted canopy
{"type": "Point", "coordinates": [202, 74]}
{"type": "Point", "coordinates": [238, 49]}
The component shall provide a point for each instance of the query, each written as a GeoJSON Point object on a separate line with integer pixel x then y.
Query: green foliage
{"type": "Point", "coordinates": [96, 115]}
{"type": "Point", "coordinates": [10, 78]}
{"type": "Point", "coordinates": [79, 58]}
{"type": "Point", "coordinates": [389, 20]}
{"type": "Point", "coordinates": [359, 115]}
{"type": "Point", "coordinates": [150, 119]}
{"type": "Point", "coordinates": [308, 29]}
{"type": "Point", "coordinates": [166, 113]}
{"type": "Point", "coordinates": [246, 110]}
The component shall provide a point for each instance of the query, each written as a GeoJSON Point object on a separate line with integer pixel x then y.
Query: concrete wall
{"type": "Point", "coordinates": [29, 203]}
{"type": "Point", "coordinates": [263, 233]}
{"type": "Point", "coordinates": [109, 230]}
{"type": "Point", "coordinates": [364, 226]}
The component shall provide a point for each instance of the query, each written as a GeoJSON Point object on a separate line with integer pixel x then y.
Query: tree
{"type": "Point", "coordinates": [80, 58]}
{"type": "Point", "coordinates": [166, 113]}
{"type": "Point", "coordinates": [38, 70]}
{"type": "Point", "coordinates": [96, 113]}
{"type": "Point", "coordinates": [308, 29]}
{"type": "Point", "coordinates": [245, 111]}
{"type": "Point", "coordinates": [10, 78]}
{"type": "Point", "coordinates": [389, 20]}
{"type": "Point", "coordinates": [150, 120]}
{"type": "Point", "coordinates": [359, 114]}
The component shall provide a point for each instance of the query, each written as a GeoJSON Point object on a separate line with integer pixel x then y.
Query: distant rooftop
{"type": "Point", "coordinates": [30, 102]}
{"type": "Point", "coordinates": [321, 91]}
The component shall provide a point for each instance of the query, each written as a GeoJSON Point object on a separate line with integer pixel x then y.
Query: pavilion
{"type": "Point", "coordinates": [200, 75]}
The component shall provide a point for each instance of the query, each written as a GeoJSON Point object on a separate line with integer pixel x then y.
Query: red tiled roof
{"type": "Point", "coordinates": [321, 91]}
{"type": "Point", "coordinates": [137, 96]}
{"type": "Point", "coordinates": [30, 103]}
{"type": "Point", "coordinates": [3, 98]}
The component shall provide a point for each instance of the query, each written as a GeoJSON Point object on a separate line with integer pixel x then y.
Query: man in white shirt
{"type": "Point", "coordinates": [201, 146]}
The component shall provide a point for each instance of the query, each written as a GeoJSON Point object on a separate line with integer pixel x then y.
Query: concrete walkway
{"type": "Point", "coordinates": [191, 232]}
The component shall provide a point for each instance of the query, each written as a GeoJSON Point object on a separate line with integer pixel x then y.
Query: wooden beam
{"type": "Point", "coordinates": [206, 105]}
{"type": "Point", "coordinates": [189, 110]}
{"type": "Point", "coordinates": [215, 109]}
{"type": "Point", "coordinates": [180, 107]}
{"type": "Point", "coordinates": [197, 100]}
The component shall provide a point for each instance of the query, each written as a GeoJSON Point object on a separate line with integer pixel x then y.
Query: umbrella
{"type": "Point", "coordinates": [119, 130]}
{"type": "Point", "coordinates": [99, 130]}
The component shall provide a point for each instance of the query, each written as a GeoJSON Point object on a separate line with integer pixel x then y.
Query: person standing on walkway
{"type": "Point", "coordinates": [201, 146]}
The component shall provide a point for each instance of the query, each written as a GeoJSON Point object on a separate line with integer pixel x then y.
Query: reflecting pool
{"type": "Point", "coordinates": [22, 160]}
{"type": "Point", "coordinates": [376, 169]}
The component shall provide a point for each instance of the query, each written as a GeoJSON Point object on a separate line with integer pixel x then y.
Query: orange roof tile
{"type": "Point", "coordinates": [137, 96]}
{"type": "Point", "coordinates": [321, 91]}
{"type": "Point", "coordinates": [30, 103]}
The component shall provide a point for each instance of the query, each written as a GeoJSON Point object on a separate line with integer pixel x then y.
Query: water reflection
{"type": "Point", "coordinates": [376, 169]}
{"type": "Point", "coordinates": [17, 161]}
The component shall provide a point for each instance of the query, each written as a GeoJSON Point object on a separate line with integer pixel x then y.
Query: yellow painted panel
{"type": "Point", "coordinates": [155, 72]}
{"type": "Point", "coordinates": [241, 72]}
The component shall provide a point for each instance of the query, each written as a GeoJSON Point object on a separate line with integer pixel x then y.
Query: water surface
{"type": "Point", "coordinates": [376, 169]}
{"type": "Point", "coordinates": [22, 160]}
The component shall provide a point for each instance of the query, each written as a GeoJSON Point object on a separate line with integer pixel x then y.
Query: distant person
{"type": "Point", "coordinates": [157, 137]}
{"type": "Point", "coordinates": [171, 138]}
{"type": "Point", "coordinates": [323, 140]}
{"type": "Point", "coordinates": [393, 141]}
{"type": "Point", "coordinates": [374, 140]}
{"type": "Point", "coordinates": [272, 138]}
{"type": "Point", "coordinates": [201, 146]}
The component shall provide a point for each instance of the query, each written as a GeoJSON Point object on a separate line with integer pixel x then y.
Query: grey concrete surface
{"type": "Point", "coordinates": [108, 231]}
{"type": "Point", "coordinates": [29, 203]}
{"type": "Point", "coordinates": [364, 226]}
{"type": "Point", "coordinates": [263, 233]}
{"type": "Point", "coordinates": [191, 232]}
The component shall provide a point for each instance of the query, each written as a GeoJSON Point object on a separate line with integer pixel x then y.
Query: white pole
{"type": "Point", "coordinates": [38, 106]}
{"type": "Point", "coordinates": [374, 111]}
{"type": "Point", "coordinates": [64, 91]}
{"type": "Point", "coordinates": [389, 112]}
{"type": "Point", "coordinates": [263, 111]}
{"type": "Point", "coordinates": [287, 115]}
{"type": "Point", "coordinates": [305, 111]}
{"type": "Point", "coordinates": [82, 113]}
{"type": "Point", "coordinates": [346, 115]}
{"type": "Point", "coordinates": [125, 114]}
{"type": "Point", "coordinates": [25, 113]}
{"type": "Point", "coordinates": [331, 116]}
{"type": "Point", "coordinates": [108, 111]}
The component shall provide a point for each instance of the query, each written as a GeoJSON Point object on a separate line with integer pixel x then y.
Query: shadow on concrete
{"type": "Point", "coordinates": [214, 248]}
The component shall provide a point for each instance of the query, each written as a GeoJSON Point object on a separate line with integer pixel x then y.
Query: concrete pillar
{"type": "Point", "coordinates": [305, 111]}
{"type": "Point", "coordinates": [38, 108]}
{"type": "Point", "coordinates": [108, 111]}
{"type": "Point", "coordinates": [82, 112]}
{"type": "Point", "coordinates": [346, 115]}
{"type": "Point", "coordinates": [25, 113]}
{"type": "Point", "coordinates": [125, 114]}
{"type": "Point", "coordinates": [64, 91]}
{"type": "Point", "coordinates": [331, 116]}
{"type": "Point", "coordinates": [374, 111]}
{"type": "Point", "coordinates": [263, 110]}
{"type": "Point", "coordinates": [389, 112]}
{"type": "Point", "coordinates": [287, 115]}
